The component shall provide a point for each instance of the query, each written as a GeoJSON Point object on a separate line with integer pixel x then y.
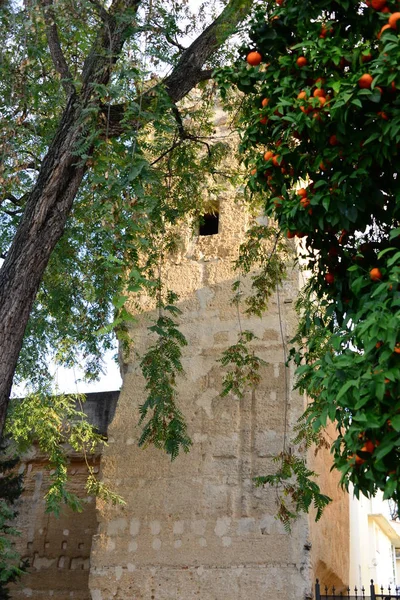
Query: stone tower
{"type": "Point", "coordinates": [198, 528]}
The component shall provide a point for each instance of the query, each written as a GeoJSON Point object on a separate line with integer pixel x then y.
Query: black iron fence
{"type": "Point", "coordinates": [325, 593]}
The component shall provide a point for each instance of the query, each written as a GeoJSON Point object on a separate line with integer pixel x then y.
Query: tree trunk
{"type": "Point", "coordinates": [40, 229]}
{"type": "Point", "coordinates": [61, 174]}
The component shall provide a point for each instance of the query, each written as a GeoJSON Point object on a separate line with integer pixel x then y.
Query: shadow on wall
{"type": "Point", "coordinates": [328, 578]}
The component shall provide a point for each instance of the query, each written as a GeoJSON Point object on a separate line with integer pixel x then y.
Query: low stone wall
{"type": "Point", "coordinates": [58, 549]}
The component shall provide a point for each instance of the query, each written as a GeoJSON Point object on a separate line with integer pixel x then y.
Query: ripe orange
{"type": "Point", "coordinates": [318, 92]}
{"type": "Point", "coordinates": [383, 115]}
{"type": "Point", "coordinates": [329, 278]}
{"type": "Point", "coordinates": [366, 58]}
{"type": "Point", "coordinates": [324, 31]}
{"type": "Point", "coordinates": [375, 274]}
{"type": "Point", "coordinates": [384, 28]}
{"type": "Point", "coordinates": [290, 234]}
{"type": "Point", "coordinates": [302, 96]}
{"type": "Point", "coordinates": [397, 348]}
{"type": "Point", "coordinates": [268, 155]}
{"type": "Point", "coordinates": [253, 171]}
{"type": "Point", "coordinates": [305, 202]}
{"type": "Point", "coordinates": [378, 345]}
{"type": "Point", "coordinates": [276, 160]}
{"type": "Point", "coordinates": [333, 140]}
{"type": "Point", "coordinates": [302, 192]}
{"type": "Point", "coordinates": [301, 61]}
{"type": "Point", "coordinates": [322, 100]}
{"type": "Point", "coordinates": [264, 102]}
{"type": "Point", "coordinates": [263, 120]}
{"type": "Point", "coordinates": [394, 17]}
{"type": "Point", "coordinates": [369, 446]}
{"type": "Point", "coordinates": [378, 4]}
{"type": "Point", "coordinates": [254, 58]}
{"type": "Point", "coordinates": [365, 81]}
{"type": "Point", "coordinates": [359, 460]}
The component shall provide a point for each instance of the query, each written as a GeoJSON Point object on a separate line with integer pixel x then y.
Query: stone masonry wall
{"type": "Point", "coordinates": [198, 528]}
{"type": "Point", "coordinates": [58, 548]}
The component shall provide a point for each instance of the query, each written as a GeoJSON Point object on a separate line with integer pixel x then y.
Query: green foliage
{"type": "Point", "coordinates": [11, 567]}
{"type": "Point", "coordinates": [166, 427]}
{"type": "Point", "coordinates": [245, 366]}
{"type": "Point", "coordinates": [338, 141]}
{"type": "Point", "coordinates": [162, 165]}
{"type": "Point", "coordinates": [266, 255]}
{"type": "Point", "coordinates": [54, 423]}
{"type": "Point", "coordinates": [296, 491]}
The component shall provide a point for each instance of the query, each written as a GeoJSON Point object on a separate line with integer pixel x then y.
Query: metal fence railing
{"type": "Point", "coordinates": [325, 593]}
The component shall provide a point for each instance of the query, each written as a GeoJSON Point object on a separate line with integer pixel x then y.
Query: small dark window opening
{"type": "Point", "coordinates": [209, 224]}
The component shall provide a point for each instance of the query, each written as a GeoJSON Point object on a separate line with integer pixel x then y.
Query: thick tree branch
{"type": "Point", "coordinates": [178, 119]}
{"type": "Point", "coordinates": [16, 201]}
{"type": "Point", "coordinates": [11, 198]}
{"type": "Point", "coordinates": [13, 213]}
{"type": "Point", "coordinates": [101, 10]}
{"type": "Point", "coordinates": [55, 47]}
{"type": "Point", "coordinates": [205, 74]}
{"type": "Point", "coordinates": [173, 42]}
{"type": "Point", "coordinates": [189, 70]}
{"type": "Point", "coordinates": [174, 145]}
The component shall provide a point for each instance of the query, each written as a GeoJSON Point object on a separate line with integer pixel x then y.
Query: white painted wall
{"type": "Point", "coordinates": [373, 538]}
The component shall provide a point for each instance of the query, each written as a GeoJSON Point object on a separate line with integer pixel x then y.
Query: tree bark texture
{"type": "Point", "coordinates": [61, 174]}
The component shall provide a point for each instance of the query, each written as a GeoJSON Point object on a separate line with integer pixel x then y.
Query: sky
{"type": "Point", "coordinates": [69, 381]}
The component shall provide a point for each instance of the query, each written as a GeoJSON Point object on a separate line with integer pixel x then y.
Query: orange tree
{"type": "Point", "coordinates": [320, 125]}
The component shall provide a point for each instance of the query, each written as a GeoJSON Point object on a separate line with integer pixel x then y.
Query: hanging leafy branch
{"type": "Point", "coordinates": [166, 428]}
{"type": "Point", "coordinates": [245, 366]}
{"type": "Point", "coordinates": [296, 491]}
{"type": "Point", "coordinates": [266, 255]}
{"type": "Point", "coordinates": [55, 423]}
